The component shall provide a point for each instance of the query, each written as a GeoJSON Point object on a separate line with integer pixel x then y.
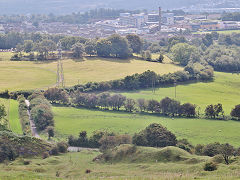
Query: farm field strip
{"type": "Point", "coordinates": [224, 89]}
{"type": "Point", "coordinates": [34, 75]}
{"type": "Point", "coordinates": [72, 120]}
{"type": "Point", "coordinates": [12, 115]}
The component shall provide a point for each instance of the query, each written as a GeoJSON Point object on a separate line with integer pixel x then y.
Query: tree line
{"type": "Point", "coordinates": [166, 106]}
{"type": "Point", "coordinates": [113, 46]}
{"type": "Point", "coordinates": [74, 18]}
{"type": "Point", "coordinates": [106, 101]}
{"type": "Point", "coordinates": [149, 79]}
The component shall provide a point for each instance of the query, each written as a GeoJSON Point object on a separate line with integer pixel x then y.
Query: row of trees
{"type": "Point", "coordinates": [166, 106]}
{"type": "Point", "coordinates": [113, 46]}
{"type": "Point", "coordinates": [147, 79]}
{"type": "Point", "coordinates": [216, 111]}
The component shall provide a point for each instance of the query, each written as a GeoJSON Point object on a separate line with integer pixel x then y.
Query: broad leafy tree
{"type": "Point", "coordinates": [182, 53]}
{"type": "Point", "coordinates": [78, 50]}
{"type": "Point", "coordinates": [120, 47]}
{"type": "Point", "coordinates": [135, 43]}
{"type": "Point", "coordinates": [104, 48]}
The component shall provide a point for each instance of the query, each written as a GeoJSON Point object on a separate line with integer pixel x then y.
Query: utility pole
{"type": "Point", "coordinates": [153, 84]}
{"type": "Point", "coordinates": [9, 112]}
{"type": "Point", "coordinates": [175, 85]}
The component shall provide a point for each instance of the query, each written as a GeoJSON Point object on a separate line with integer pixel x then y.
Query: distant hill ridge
{"type": "Point", "coordinates": [69, 6]}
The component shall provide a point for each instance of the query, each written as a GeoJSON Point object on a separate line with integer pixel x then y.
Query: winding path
{"type": "Point", "coordinates": [36, 135]}
{"type": "Point", "coordinates": [32, 124]}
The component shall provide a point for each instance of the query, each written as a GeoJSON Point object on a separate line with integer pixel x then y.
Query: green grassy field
{"type": "Point", "coordinates": [12, 115]}
{"type": "Point", "coordinates": [74, 165]}
{"type": "Point", "coordinates": [24, 76]}
{"type": "Point", "coordinates": [14, 121]}
{"type": "Point", "coordinates": [71, 121]}
{"type": "Point", "coordinates": [32, 75]}
{"type": "Point", "coordinates": [224, 89]}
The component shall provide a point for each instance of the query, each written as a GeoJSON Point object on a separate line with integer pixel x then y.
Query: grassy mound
{"type": "Point", "coordinates": [134, 154]}
{"type": "Point", "coordinates": [24, 145]}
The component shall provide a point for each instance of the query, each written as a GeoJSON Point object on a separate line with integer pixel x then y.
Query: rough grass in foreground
{"type": "Point", "coordinates": [74, 166]}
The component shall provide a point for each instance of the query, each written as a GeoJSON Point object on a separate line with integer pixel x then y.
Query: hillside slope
{"type": "Point", "coordinates": [69, 6]}
{"type": "Point", "coordinates": [134, 154]}
{"type": "Point", "coordinates": [24, 145]}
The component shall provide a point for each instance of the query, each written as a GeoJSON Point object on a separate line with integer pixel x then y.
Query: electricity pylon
{"type": "Point", "coordinates": [60, 74]}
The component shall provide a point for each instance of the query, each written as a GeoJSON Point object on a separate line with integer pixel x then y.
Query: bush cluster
{"type": "Point", "coordinates": [155, 135]}
{"type": "Point", "coordinates": [84, 141]}
{"type": "Point", "coordinates": [41, 111]}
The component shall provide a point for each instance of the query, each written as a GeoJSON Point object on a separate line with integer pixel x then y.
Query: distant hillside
{"type": "Point", "coordinates": [69, 6]}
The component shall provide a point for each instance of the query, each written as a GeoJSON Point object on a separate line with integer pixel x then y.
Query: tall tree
{"type": "Point", "coordinates": [90, 47]}
{"type": "Point", "coordinates": [182, 53]}
{"type": "Point", "coordinates": [104, 48]}
{"type": "Point", "coordinates": [28, 46]}
{"type": "Point", "coordinates": [78, 50]}
{"type": "Point", "coordinates": [120, 47]}
{"type": "Point", "coordinates": [135, 43]}
{"type": "Point", "coordinates": [236, 112]}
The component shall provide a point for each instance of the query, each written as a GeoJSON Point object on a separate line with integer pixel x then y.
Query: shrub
{"type": "Point", "coordinates": [156, 136]}
{"type": "Point", "coordinates": [26, 162]}
{"type": "Point", "coordinates": [140, 139]}
{"type": "Point", "coordinates": [50, 131]}
{"type": "Point", "coordinates": [7, 152]}
{"type": "Point", "coordinates": [88, 171]}
{"type": "Point", "coordinates": [54, 151]}
{"type": "Point", "coordinates": [45, 155]}
{"type": "Point", "coordinates": [211, 149]}
{"type": "Point", "coordinates": [218, 159]}
{"type": "Point", "coordinates": [210, 166]}
{"type": "Point", "coordinates": [199, 149]}
{"type": "Point", "coordinates": [62, 147]}
{"type": "Point", "coordinates": [95, 138]}
{"type": "Point", "coordinates": [185, 145]}
{"type": "Point", "coordinates": [109, 142]}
